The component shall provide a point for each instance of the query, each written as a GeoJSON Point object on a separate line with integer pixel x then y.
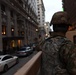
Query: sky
{"type": "Point", "coordinates": [51, 6]}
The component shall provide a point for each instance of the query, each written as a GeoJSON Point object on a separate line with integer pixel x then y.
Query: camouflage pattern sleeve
{"type": "Point", "coordinates": [68, 57]}
{"type": "Point", "coordinates": [39, 46]}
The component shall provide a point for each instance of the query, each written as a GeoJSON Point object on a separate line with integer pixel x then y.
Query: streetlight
{"type": "Point", "coordinates": [36, 30]}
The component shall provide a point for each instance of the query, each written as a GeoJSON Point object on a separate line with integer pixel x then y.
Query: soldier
{"type": "Point", "coordinates": [58, 52]}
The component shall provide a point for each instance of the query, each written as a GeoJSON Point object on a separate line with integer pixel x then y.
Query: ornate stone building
{"type": "Point", "coordinates": [18, 23]}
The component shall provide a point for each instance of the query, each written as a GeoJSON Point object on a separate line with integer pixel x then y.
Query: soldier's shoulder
{"type": "Point", "coordinates": [47, 39]}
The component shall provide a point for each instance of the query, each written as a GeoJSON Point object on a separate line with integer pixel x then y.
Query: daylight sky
{"type": "Point", "coordinates": [51, 6]}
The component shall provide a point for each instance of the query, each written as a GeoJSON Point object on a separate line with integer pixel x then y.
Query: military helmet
{"type": "Point", "coordinates": [59, 18]}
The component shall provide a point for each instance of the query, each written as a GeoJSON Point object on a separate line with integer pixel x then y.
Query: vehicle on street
{"type": "Point", "coordinates": [33, 47]}
{"type": "Point", "coordinates": [24, 51]}
{"type": "Point", "coordinates": [7, 61]}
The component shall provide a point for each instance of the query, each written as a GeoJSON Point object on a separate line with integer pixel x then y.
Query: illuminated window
{"type": "Point", "coordinates": [13, 43]}
{"type": "Point", "coordinates": [22, 32]}
{"type": "Point", "coordinates": [19, 43]}
{"type": "Point", "coordinates": [18, 32]}
{"type": "Point", "coordinates": [12, 31]}
{"type": "Point", "coordinates": [3, 30]}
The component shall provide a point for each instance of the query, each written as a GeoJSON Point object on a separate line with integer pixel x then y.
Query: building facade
{"type": "Point", "coordinates": [18, 23]}
{"type": "Point", "coordinates": [41, 17]}
{"type": "Point", "coordinates": [70, 8]}
{"type": "Point", "coordinates": [47, 29]}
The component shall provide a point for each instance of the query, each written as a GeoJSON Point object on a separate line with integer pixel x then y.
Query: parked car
{"type": "Point", "coordinates": [24, 51]}
{"type": "Point", "coordinates": [29, 45]}
{"type": "Point", "coordinates": [7, 61]}
{"type": "Point", "coordinates": [29, 49]}
{"type": "Point", "coordinates": [33, 47]}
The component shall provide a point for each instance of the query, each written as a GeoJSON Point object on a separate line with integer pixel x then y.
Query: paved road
{"type": "Point", "coordinates": [22, 61]}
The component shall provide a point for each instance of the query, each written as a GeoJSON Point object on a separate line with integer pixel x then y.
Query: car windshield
{"type": "Point", "coordinates": [22, 49]}
{"type": "Point", "coordinates": [27, 47]}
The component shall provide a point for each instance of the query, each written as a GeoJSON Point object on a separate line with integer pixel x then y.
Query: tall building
{"type": "Point", "coordinates": [47, 29]}
{"type": "Point", "coordinates": [18, 23]}
{"type": "Point", "coordinates": [41, 16]}
{"type": "Point", "coordinates": [70, 8]}
{"type": "Point", "coordinates": [33, 5]}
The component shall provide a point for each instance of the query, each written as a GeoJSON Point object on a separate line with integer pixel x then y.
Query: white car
{"type": "Point", "coordinates": [7, 61]}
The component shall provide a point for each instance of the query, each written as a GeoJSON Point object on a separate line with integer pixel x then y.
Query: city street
{"type": "Point", "coordinates": [22, 61]}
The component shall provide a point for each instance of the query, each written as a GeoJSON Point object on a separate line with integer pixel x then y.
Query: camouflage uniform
{"type": "Point", "coordinates": [58, 57]}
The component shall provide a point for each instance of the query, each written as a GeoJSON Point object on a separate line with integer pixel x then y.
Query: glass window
{"type": "Point", "coordinates": [2, 7]}
{"type": "Point", "coordinates": [6, 57]}
{"type": "Point", "coordinates": [3, 30]}
{"type": "Point", "coordinates": [12, 31]}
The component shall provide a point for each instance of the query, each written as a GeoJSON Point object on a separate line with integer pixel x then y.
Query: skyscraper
{"type": "Point", "coordinates": [41, 16]}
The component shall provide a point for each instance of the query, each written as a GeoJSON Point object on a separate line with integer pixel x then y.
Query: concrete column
{"type": "Point", "coordinates": [15, 25]}
{"type": "Point", "coordinates": [25, 32]}
{"type": "Point", "coordinates": [8, 22]}
{"type": "Point", "coordinates": [1, 47]}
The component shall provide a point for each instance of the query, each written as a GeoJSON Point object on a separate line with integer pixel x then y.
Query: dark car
{"type": "Point", "coordinates": [33, 47]}
{"type": "Point", "coordinates": [24, 51]}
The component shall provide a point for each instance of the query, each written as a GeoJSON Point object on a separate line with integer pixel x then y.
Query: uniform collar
{"type": "Point", "coordinates": [57, 34]}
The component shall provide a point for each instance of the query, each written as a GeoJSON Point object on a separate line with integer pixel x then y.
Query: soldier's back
{"type": "Point", "coordinates": [51, 64]}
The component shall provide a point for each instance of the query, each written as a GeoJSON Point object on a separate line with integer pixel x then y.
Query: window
{"type": "Point", "coordinates": [74, 39]}
{"type": "Point", "coordinates": [39, 15]}
{"type": "Point", "coordinates": [12, 31]}
{"type": "Point", "coordinates": [3, 30]}
{"type": "Point", "coordinates": [2, 7]}
{"type": "Point", "coordinates": [39, 18]}
{"type": "Point", "coordinates": [38, 8]}
{"type": "Point", "coordinates": [6, 57]}
{"type": "Point", "coordinates": [11, 13]}
{"type": "Point", "coordinates": [3, 10]}
{"type": "Point", "coordinates": [22, 32]}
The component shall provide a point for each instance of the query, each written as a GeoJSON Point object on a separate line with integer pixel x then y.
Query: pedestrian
{"type": "Point", "coordinates": [58, 52]}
